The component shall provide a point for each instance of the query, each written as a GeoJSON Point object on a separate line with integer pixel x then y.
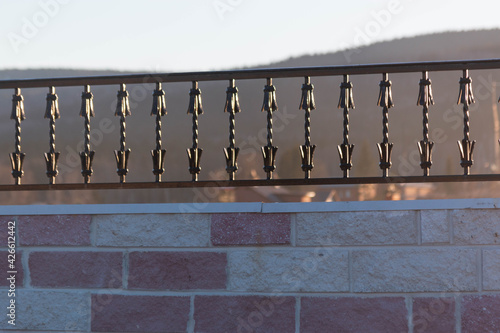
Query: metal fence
{"type": "Point", "coordinates": [232, 107]}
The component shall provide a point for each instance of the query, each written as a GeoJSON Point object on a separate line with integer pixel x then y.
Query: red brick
{"type": "Point", "coordinates": [481, 314]}
{"type": "Point", "coordinates": [3, 229]}
{"type": "Point", "coordinates": [120, 313]}
{"type": "Point", "coordinates": [351, 314]}
{"type": "Point", "coordinates": [76, 269]}
{"type": "Point", "coordinates": [177, 270]}
{"type": "Point", "coordinates": [54, 230]}
{"type": "Point", "coordinates": [433, 315]}
{"type": "Point", "coordinates": [244, 314]}
{"type": "Point", "coordinates": [250, 229]}
{"type": "Point", "coordinates": [4, 267]}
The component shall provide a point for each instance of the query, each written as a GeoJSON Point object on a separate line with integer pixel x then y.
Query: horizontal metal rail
{"type": "Point", "coordinates": [254, 183]}
{"type": "Point", "coordinates": [431, 66]}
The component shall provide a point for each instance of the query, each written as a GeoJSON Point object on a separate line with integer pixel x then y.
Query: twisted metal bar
{"type": "Point", "coordinates": [17, 145]}
{"type": "Point", "coordinates": [52, 113]}
{"type": "Point", "coordinates": [466, 146]}
{"type": "Point", "coordinates": [195, 131]}
{"type": "Point", "coordinates": [86, 112]}
{"type": "Point", "coordinates": [307, 104]}
{"type": "Point", "coordinates": [122, 110]}
{"type": "Point", "coordinates": [425, 123]}
{"type": "Point", "coordinates": [195, 108]}
{"type": "Point", "coordinates": [425, 99]}
{"type": "Point", "coordinates": [159, 109]}
{"type": "Point", "coordinates": [232, 107]}
{"type": "Point", "coordinates": [466, 122]}
{"type": "Point", "coordinates": [307, 127]}
{"type": "Point", "coordinates": [269, 129]}
{"type": "Point", "coordinates": [269, 105]}
{"type": "Point", "coordinates": [232, 130]}
{"type": "Point", "coordinates": [385, 101]}
{"type": "Point", "coordinates": [385, 125]}
{"type": "Point", "coordinates": [345, 150]}
{"type": "Point", "coordinates": [17, 158]}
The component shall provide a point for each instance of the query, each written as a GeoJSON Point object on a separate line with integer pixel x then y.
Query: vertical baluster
{"type": "Point", "coordinates": [425, 99]}
{"type": "Point", "coordinates": [270, 105]}
{"type": "Point", "coordinates": [159, 109]}
{"type": "Point", "coordinates": [195, 108]}
{"type": "Point", "coordinates": [385, 148]}
{"type": "Point", "coordinates": [17, 157]}
{"type": "Point", "coordinates": [466, 146]}
{"type": "Point", "coordinates": [52, 113]}
{"type": "Point", "coordinates": [232, 107]}
{"type": "Point", "coordinates": [87, 155]}
{"type": "Point", "coordinates": [307, 104]}
{"type": "Point", "coordinates": [122, 110]}
{"type": "Point", "coordinates": [346, 101]}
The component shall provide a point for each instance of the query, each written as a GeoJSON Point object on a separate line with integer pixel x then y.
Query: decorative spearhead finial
{"type": "Point", "coordinates": [465, 95]}
{"type": "Point", "coordinates": [52, 108]}
{"type": "Point", "coordinates": [122, 105]}
{"type": "Point", "coordinates": [307, 98]}
{"type": "Point", "coordinates": [269, 103]}
{"type": "Point", "coordinates": [385, 95]}
{"type": "Point", "coordinates": [232, 100]}
{"type": "Point", "coordinates": [195, 105]}
{"type": "Point", "coordinates": [346, 99]}
{"type": "Point", "coordinates": [425, 91]}
{"type": "Point", "coordinates": [87, 103]}
{"type": "Point", "coordinates": [159, 105]}
{"type": "Point", "coordinates": [17, 105]}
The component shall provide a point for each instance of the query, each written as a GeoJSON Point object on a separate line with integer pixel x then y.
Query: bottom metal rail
{"type": "Point", "coordinates": [254, 182]}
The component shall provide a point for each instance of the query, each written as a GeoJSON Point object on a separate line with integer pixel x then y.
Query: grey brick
{"type": "Point", "coordinates": [177, 230]}
{"type": "Point", "coordinates": [288, 270]}
{"type": "Point", "coordinates": [491, 269]}
{"type": "Point", "coordinates": [474, 226]}
{"type": "Point", "coordinates": [414, 270]}
{"type": "Point", "coordinates": [435, 228]}
{"type": "Point", "coordinates": [49, 310]}
{"type": "Point", "coordinates": [357, 228]}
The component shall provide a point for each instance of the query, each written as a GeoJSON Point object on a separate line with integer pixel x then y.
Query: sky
{"type": "Point", "coordinates": [199, 35]}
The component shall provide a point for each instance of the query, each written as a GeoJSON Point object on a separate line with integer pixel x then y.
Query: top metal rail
{"type": "Point", "coordinates": [404, 67]}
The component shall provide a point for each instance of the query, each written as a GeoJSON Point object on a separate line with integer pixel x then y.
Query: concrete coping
{"type": "Point", "coordinates": [252, 207]}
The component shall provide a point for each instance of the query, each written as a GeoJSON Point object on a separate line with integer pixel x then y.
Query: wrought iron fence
{"type": "Point", "coordinates": [232, 107]}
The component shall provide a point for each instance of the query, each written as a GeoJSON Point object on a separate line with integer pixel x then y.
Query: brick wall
{"type": "Point", "coordinates": [426, 266]}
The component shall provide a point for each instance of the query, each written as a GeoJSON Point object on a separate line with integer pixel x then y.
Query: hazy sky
{"type": "Point", "coordinates": [176, 35]}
